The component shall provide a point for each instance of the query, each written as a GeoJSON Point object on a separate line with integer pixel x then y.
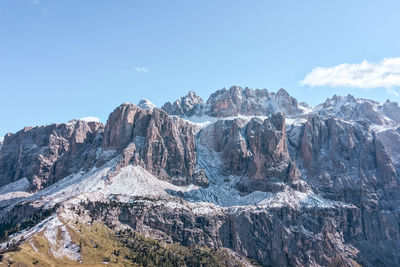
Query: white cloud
{"type": "Point", "coordinates": [89, 118]}
{"type": "Point", "coordinates": [1, 139]}
{"type": "Point", "coordinates": [364, 75]}
{"type": "Point", "coordinates": [141, 69]}
{"type": "Point", "coordinates": [135, 69]}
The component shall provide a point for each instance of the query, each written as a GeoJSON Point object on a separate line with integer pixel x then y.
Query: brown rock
{"type": "Point", "coordinates": [256, 150]}
{"type": "Point", "coordinates": [161, 144]}
{"type": "Point", "coordinates": [46, 154]}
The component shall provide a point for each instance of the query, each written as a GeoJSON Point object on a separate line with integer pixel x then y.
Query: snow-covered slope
{"type": "Point", "coordinates": [20, 185]}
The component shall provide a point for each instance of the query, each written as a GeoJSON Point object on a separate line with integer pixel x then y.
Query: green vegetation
{"type": "Point", "coordinates": [149, 252]}
{"type": "Point", "coordinates": [99, 245]}
{"type": "Point", "coordinates": [16, 225]}
{"type": "Point", "coordinates": [98, 209]}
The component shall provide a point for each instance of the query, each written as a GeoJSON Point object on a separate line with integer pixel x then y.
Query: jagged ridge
{"type": "Point", "coordinates": [302, 187]}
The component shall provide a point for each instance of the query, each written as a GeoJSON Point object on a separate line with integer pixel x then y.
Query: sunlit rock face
{"type": "Point", "coordinates": [46, 154]}
{"type": "Point", "coordinates": [150, 138]}
{"type": "Point", "coordinates": [188, 105]}
{"type": "Point", "coordinates": [256, 150]}
{"type": "Point", "coordinates": [248, 170]}
{"type": "Point", "coordinates": [233, 102]}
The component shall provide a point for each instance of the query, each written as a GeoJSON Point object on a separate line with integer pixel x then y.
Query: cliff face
{"type": "Point", "coordinates": [256, 150]}
{"type": "Point", "coordinates": [163, 145]}
{"type": "Point", "coordinates": [236, 100]}
{"type": "Point", "coordinates": [275, 236]}
{"type": "Point", "coordinates": [354, 158]}
{"type": "Point", "coordinates": [46, 154]}
{"type": "Point", "coordinates": [249, 170]}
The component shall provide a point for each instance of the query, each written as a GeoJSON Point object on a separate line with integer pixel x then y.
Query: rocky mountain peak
{"type": "Point", "coordinates": [185, 106]}
{"type": "Point", "coordinates": [260, 175]}
{"type": "Point", "coordinates": [235, 101]}
{"type": "Point", "coordinates": [338, 100]}
{"type": "Point", "coordinates": [351, 108]}
{"type": "Point", "coordinates": [282, 93]}
{"type": "Point", "coordinates": [146, 104]}
{"type": "Point", "coordinates": [150, 138]}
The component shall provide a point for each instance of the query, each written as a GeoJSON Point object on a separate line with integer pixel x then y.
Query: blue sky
{"type": "Point", "coordinates": [64, 59]}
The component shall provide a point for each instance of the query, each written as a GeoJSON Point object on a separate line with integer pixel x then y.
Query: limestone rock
{"type": "Point", "coordinates": [46, 154]}
{"type": "Point", "coordinates": [161, 144]}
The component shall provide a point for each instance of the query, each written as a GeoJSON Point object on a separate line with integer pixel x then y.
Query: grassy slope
{"type": "Point", "coordinates": [124, 248]}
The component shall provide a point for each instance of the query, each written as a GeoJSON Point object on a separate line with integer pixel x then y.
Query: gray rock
{"type": "Point", "coordinates": [46, 154]}
{"type": "Point", "coordinates": [256, 150]}
{"type": "Point", "coordinates": [345, 152]}
{"type": "Point", "coordinates": [161, 144]}
{"type": "Point", "coordinates": [235, 101]}
{"type": "Point", "coordinates": [189, 105]}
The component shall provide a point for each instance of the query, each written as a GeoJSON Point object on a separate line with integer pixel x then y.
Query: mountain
{"type": "Point", "coordinates": [245, 178]}
{"type": "Point", "coordinates": [235, 101]}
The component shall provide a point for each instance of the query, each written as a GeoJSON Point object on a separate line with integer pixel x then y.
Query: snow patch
{"type": "Point", "coordinates": [295, 121]}
{"type": "Point", "coordinates": [71, 186]}
{"type": "Point", "coordinates": [136, 181]}
{"type": "Point", "coordinates": [202, 208]}
{"type": "Point", "coordinates": [305, 109]}
{"type": "Point", "coordinates": [61, 244]}
{"type": "Point", "coordinates": [221, 190]}
{"type": "Point", "coordinates": [20, 185]}
{"type": "Point", "coordinates": [146, 104]}
{"type": "Point", "coordinates": [26, 234]}
{"type": "Point", "coordinates": [8, 199]}
{"type": "Point", "coordinates": [33, 246]}
{"type": "Point", "coordinates": [203, 121]}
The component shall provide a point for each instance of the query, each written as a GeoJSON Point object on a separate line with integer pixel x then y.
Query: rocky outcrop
{"type": "Point", "coordinates": [46, 154]}
{"type": "Point", "coordinates": [146, 104]}
{"type": "Point", "coordinates": [233, 102]}
{"type": "Point", "coordinates": [186, 106]}
{"type": "Point", "coordinates": [148, 137]}
{"type": "Point", "coordinates": [349, 162]}
{"type": "Point", "coordinates": [329, 183]}
{"type": "Point", "coordinates": [341, 160]}
{"type": "Point", "coordinates": [236, 100]}
{"type": "Point", "coordinates": [161, 144]}
{"type": "Point", "coordinates": [276, 236]}
{"type": "Point", "coordinates": [356, 109]}
{"type": "Point", "coordinates": [392, 110]}
{"type": "Point", "coordinates": [256, 150]}
{"type": "Point", "coordinates": [390, 140]}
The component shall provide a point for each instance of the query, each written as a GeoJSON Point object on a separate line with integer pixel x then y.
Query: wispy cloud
{"type": "Point", "coordinates": [90, 118]}
{"type": "Point", "coordinates": [135, 69]}
{"type": "Point", "coordinates": [35, 2]}
{"type": "Point", "coordinates": [141, 69]}
{"type": "Point", "coordinates": [364, 75]}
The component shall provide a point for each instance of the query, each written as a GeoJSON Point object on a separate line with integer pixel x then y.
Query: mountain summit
{"type": "Point", "coordinates": [247, 177]}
